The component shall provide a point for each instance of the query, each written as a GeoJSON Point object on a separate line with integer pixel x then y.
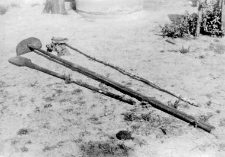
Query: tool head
{"type": "Point", "coordinates": [59, 40]}
{"type": "Point", "coordinates": [23, 47]}
{"type": "Point", "coordinates": [20, 61]}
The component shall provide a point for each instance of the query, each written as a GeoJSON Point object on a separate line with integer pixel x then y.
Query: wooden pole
{"type": "Point", "coordinates": [152, 101]}
{"type": "Point", "coordinates": [21, 61]}
{"type": "Point", "coordinates": [200, 9]}
{"type": "Point", "coordinates": [55, 7]}
{"type": "Point", "coordinates": [222, 3]}
{"type": "Point", "coordinates": [136, 77]}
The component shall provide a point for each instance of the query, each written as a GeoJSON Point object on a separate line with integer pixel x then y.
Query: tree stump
{"type": "Point", "coordinates": [55, 7]}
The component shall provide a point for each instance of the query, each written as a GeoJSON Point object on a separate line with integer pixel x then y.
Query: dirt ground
{"type": "Point", "coordinates": [41, 116]}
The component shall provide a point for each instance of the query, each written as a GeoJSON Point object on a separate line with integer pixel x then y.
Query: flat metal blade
{"type": "Point", "coordinates": [23, 48]}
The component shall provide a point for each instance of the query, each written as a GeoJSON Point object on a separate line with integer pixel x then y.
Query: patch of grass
{"type": "Point", "coordinates": [184, 50]}
{"type": "Point", "coordinates": [149, 123]}
{"type": "Point", "coordinates": [48, 148]}
{"type": "Point", "coordinates": [130, 116]}
{"type": "Point", "coordinates": [206, 117]}
{"type": "Point", "coordinates": [49, 99]}
{"type": "Point", "coordinates": [23, 132]}
{"type": "Point", "coordinates": [76, 91]}
{"type": "Point", "coordinates": [144, 117]}
{"type": "Point", "coordinates": [222, 122]}
{"type": "Point", "coordinates": [47, 105]}
{"type": "Point", "coordinates": [24, 149]}
{"type": "Point", "coordinates": [218, 48]}
{"type": "Point", "coordinates": [34, 4]}
{"type": "Point", "coordinates": [104, 149]}
{"type": "Point", "coordinates": [95, 120]}
{"type": "Point", "coordinates": [14, 5]}
{"type": "Point", "coordinates": [33, 84]}
{"type": "Point", "coordinates": [3, 9]}
{"type": "Point", "coordinates": [21, 98]}
{"type": "Point", "coordinates": [58, 91]}
{"type": "Point", "coordinates": [64, 100]}
{"type": "Point", "coordinates": [32, 100]}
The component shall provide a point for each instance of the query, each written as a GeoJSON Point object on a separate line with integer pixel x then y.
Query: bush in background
{"type": "Point", "coordinates": [183, 26]}
{"type": "Point", "coordinates": [186, 25]}
{"type": "Point", "coordinates": [212, 23]}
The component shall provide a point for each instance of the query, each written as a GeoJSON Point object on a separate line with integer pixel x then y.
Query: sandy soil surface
{"type": "Point", "coordinates": [41, 116]}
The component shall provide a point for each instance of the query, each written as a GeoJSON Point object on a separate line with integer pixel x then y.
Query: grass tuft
{"type": "Point", "coordinates": [14, 4]}
{"type": "Point", "coordinates": [3, 9]}
{"type": "Point", "coordinates": [103, 149]}
{"type": "Point", "coordinates": [35, 4]}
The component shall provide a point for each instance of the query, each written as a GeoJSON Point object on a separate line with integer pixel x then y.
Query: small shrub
{"type": "Point", "coordinates": [184, 50]}
{"type": "Point", "coordinates": [183, 26]}
{"type": "Point", "coordinates": [3, 9]}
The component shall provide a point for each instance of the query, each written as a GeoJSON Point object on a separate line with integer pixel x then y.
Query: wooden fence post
{"type": "Point", "coordinates": [200, 9]}
{"type": "Point", "coordinates": [222, 2]}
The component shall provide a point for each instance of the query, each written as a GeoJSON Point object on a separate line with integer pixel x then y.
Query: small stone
{"type": "Point", "coordinates": [124, 135]}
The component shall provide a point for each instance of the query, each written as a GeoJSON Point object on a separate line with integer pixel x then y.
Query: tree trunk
{"type": "Point", "coordinates": [55, 7]}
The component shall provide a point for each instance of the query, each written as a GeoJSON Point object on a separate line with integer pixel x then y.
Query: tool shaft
{"type": "Point", "coordinates": [155, 103]}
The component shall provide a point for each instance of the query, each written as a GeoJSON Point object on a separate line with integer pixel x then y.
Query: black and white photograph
{"type": "Point", "coordinates": [112, 78]}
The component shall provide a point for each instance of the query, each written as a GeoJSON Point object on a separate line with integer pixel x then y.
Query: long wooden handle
{"type": "Point", "coordinates": [21, 61]}
{"type": "Point", "coordinates": [134, 76]}
{"type": "Point", "coordinates": [155, 103]}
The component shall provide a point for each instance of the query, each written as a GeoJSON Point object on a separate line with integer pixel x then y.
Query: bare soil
{"type": "Point", "coordinates": [41, 116]}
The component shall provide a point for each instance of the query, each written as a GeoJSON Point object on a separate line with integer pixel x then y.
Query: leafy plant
{"type": "Point", "coordinates": [212, 23]}
{"type": "Point", "coordinates": [186, 24]}
{"type": "Point", "coordinates": [184, 50]}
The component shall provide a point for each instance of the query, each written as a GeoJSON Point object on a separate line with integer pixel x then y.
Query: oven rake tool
{"type": "Point", "coordinates": [34, 44]}
{"type": "Point", "coordinates": [25, 62]}
{"type": "Point", "coordinates": [63, 41]}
